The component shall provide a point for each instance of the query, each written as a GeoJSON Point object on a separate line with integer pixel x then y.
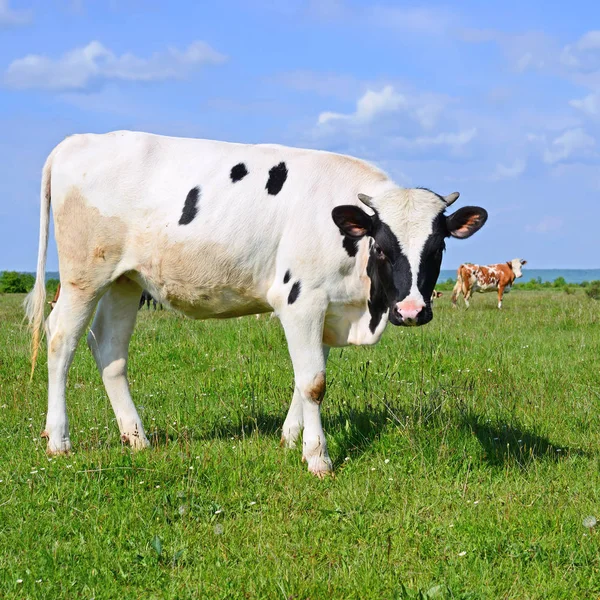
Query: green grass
{"type": "Point", "coordinates": [466, 455]}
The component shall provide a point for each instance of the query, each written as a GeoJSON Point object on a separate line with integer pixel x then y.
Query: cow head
{"type": "Point", "coordinates": [407, 232]}
{"type": "Point", "coordinates": [515, 264]}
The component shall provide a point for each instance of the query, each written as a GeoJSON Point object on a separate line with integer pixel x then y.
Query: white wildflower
{"type": "Point", "coordinates": [590, 522]}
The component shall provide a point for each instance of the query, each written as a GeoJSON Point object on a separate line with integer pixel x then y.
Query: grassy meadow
{"type": "Point", "coordinates": [467, 456]}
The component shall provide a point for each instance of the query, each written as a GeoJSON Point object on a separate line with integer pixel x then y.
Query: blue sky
{"type": "Point", "coordinates": [498, 100]}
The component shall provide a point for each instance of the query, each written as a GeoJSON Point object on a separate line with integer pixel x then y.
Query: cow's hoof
{"type": "Point", "coordinates": [135, 440]}
{"type": "Point", "coordinates": [321, 466]}
{"type": "Point", "coordinates": [56, 448]}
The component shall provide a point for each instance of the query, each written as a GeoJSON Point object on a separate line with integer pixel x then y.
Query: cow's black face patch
{"type": "Point", "coordinates": [430, 265]}
{"type": "Point", "coordinates": [238, 172]}
{"type": "Point", "coordinates": [287, 276]}
{"type": "Point", "coordinates": [277, 177]}
{"type": "Point", "coordinates": [389, 272]}
{"type": "Point", "coordinates": [294, 293]}
{"type": "Point", "coordinates": [350, 246]}
{"type": "Point", "coordinates": [190, 206]}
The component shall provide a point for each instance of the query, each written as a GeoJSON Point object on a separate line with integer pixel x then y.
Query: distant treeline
{"type": "Point", "coordinates": [12, 282]}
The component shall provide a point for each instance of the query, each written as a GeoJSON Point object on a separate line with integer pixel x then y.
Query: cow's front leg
{"type": "Point", "coordinates": [294, 421]}
{"type": "Point", "coordinates": [302, 322]}
{"type": "Point", "coordinates": [500, 295]}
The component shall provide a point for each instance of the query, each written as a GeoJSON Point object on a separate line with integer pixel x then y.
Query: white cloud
{"type": "Point", "coordinates": [529, 61]}
{"type": "Point", "coordinates": [389, 122]}
{"type": "Point", "coordinates": [428, 113]}
{"type": "Point", "coordinates": [546, 225]}
{"type": "Point", "coordinates": [424, 109]}
{"type": "Point", "coordinates": [572, 143]}
{"type": "Point", "coordinates": [584, 54]}
{"type": "Point", "coordinates": [590, 105]}
{"type": "Point", "coordinates": [509, 171]}
{"type": "Point", "coordinates": [78, 68]}
{"type": "Point", "coordinates": [10, 16]}
{"type": "Point", "coordinates": [368, 107]}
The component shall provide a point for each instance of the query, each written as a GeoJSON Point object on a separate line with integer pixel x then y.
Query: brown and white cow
{"type": "Point", "coordinates": [478, 278]}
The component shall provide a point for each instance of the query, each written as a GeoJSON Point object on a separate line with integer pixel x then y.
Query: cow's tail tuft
{"type": "Point", "coordinates": [458, 287]}
{"type": "Point", "coordinates": [35, 301]}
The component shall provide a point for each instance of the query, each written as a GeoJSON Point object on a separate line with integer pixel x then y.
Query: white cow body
{"type": "Point", "coordinates": [218, 230]}
{"type": "Point", "coordinates": [232, 258]}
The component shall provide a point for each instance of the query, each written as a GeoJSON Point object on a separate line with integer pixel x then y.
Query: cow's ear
{"type": "Point", "coordinates": [523, 262]}
{"type": "Point", "coordinates": [466, 221]}
{"type": "Point", "coordinates": [352, 221]}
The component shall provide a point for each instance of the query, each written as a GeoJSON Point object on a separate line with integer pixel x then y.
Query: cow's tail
{"type": "Point", "coordinates": [35, 301]}
{"type": "Point", "coordinates": [457, 288]}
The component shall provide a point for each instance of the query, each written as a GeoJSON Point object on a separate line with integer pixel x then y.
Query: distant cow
{"type": "Point", "coordinates": [220, 230]}
{"type": "Point", "coordinates": [476, 278]}
{"type": "Point", "coordinates": [146, 298]}
{"type": "Point", "coordinates": [435, 295]}
{"type": "Point", "coordinates": [54, 300]}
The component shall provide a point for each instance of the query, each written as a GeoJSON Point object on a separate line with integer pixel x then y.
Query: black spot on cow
{"type": "Point", "coordinates": [190, 207]}
{"type": "Point", "coordinates": [350, 246]}
{"type": "Point", "coordinates": [294, 293]}
{"type": "Point", "coordinates": [277, 177]}
{"type": "Point", "coordinates": [287, 276]}
{"type": "Point", "coordinates": [238, 172]}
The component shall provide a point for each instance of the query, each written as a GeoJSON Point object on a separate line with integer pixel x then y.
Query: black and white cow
{"type": "Point", "coordinates": [218, 230]}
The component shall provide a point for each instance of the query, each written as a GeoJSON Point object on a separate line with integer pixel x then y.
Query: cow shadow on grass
{"type": "Point", "coordinates": [354, 431]}
{"type": "Point", "coordinates": [510, 443]}
{"type": "Point", "coordinates": [349, 432]}
{"type": "Point", "coordinates": [262, 424]}
{"type": "Point", "coordinates": [503, 444]}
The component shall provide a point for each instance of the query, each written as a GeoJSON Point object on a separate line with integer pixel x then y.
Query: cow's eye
{"type": "Point", "coordinates": [379, 252]}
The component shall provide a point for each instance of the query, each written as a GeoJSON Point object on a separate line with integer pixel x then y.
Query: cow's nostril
{"type": "Point", "coordinates": [408, 311]}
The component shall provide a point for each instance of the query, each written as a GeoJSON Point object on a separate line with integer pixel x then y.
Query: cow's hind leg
{"type": "Point", "coordinates": [302, 321]}
{"type": "Point", "coordinates": [456, 291]}
{"type": "Point", "coordinates": [64, 328]}
{"type": "Point", "coordinates": [108, 340]}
